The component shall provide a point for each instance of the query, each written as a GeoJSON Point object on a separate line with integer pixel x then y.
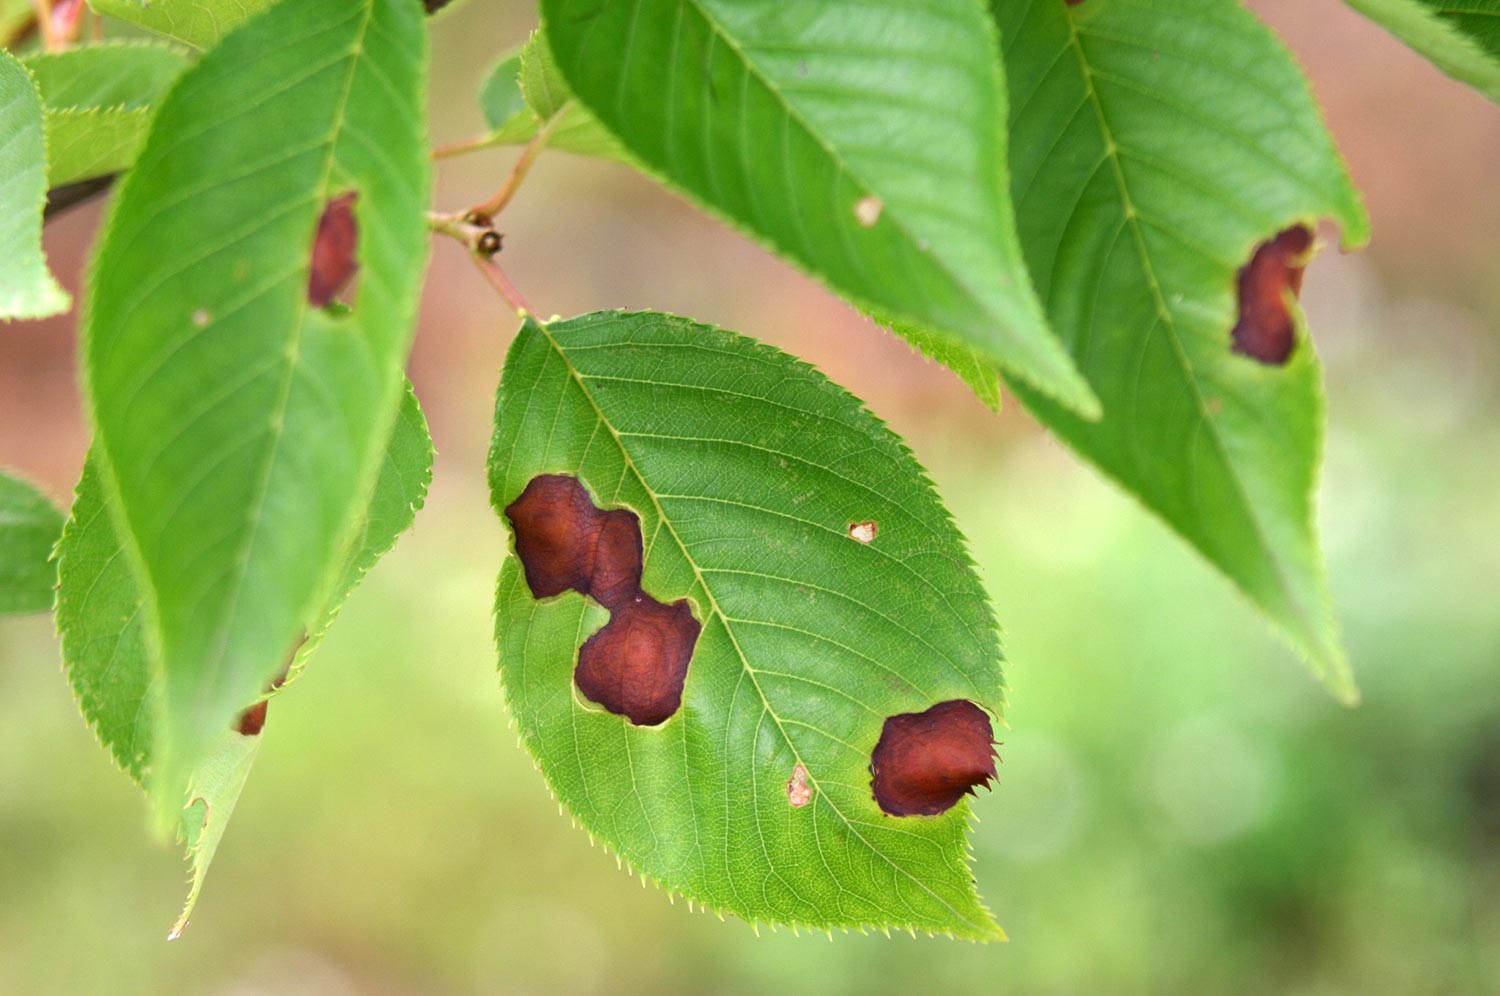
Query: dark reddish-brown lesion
{"type": "Point", "coordinates": [637, 664]}
{"type": "Point", "coordinates": [253, 720]}
{"type": "Point", "coordinates": [1266, 330]}
{"type": "Point", "coordinates": [925, 762]}
{"type": "Point", "coordinates": [334, 251]}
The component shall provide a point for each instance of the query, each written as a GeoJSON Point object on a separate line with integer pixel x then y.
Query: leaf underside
{"type": "Point", "coordinates": [29, 527]}
{"type": "Point", "coordinates": [27, 287]}
{"type": "Point", "coordinates": [100, 619]}
{"type": "Point", "coordinates": [869, 148]}
{"type": "Point", "coordinates": [746, 469]}
{"type": "Point", "coordinates": [1154, 145]}
{"type": "Point", "coordinates": [1460, 37]}
{"type": "Point", "coordinates": [239, 426]}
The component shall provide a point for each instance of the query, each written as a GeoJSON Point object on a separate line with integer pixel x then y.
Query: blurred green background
{"type": "Point", "coordinates": [1181, 809]}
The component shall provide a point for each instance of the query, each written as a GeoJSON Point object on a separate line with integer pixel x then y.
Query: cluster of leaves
{"type": "Point", "coordinates": [1061, 195]}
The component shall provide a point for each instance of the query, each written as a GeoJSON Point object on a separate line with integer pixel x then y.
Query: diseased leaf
{"type": "Point", "coordinates": [200, 23]}
{"type": "Point", "coordinates": [867, 147]}
{"type": "Point", "coordinates": [99, 102]}
{"type": "Point", "coordinates": [789, 543]}
{"type": "Point", "coordinates": [29, 527]}
{"type": "Point", "coordinates": [1460, 37]}
{"type": "Point", "coordinates": [101, 619]}
{"type": "Point", "coordinates": [240, 426]}
{"type": "Point", "coordinates": [1154, 147]}
{"type": "Point", "coordinates": [27, 288]}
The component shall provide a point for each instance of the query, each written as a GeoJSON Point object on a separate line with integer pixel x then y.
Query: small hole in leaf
{"type": "Point", "coordinates": [867, 210]}
{"type": "Point", "coordinates": [925, 762]}
{"type": "Point", "coordinates": [864, 532]}
{"type": "Point", "coordinates": [1266, 330]}
{"type": "Point", "coordinates": [334, 251]}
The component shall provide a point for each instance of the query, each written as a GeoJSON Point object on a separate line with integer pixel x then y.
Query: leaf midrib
{"type": "Point", "coordinates": [1112, 153]}
{"type": "Point", "coordinates": [294, 350]}
{"type": "Point", "coordinates": [724, 620]}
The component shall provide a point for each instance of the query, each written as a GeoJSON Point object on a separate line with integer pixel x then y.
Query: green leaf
{"type": "Point", "coordinates": [240, 426]}
{"type": "Point", "coordinates": [500, 96]}
{"type": "Point", "coordinates": [200, 23]}
{"type": "Point", "coordinates": [27, 288]}
{"type": "Point", "coordinates": [867, 147]}
{"type": "Point", "coordinates": [29, 527]}
{"type": "Point", "coordinates": [99, 101]}
{"type": "Point", "coordinates": [746, 469]}
{"type": "Point", "coordinates": [522, 91]}
{"type": "Point", "coordinates": [101, 619]}
{"type": "Point", "coordinates": [15, 15]}
{"type": "Point", "coordinates": [1460, 37]}
{"type": "Point", "coordinates": [1154, 145]}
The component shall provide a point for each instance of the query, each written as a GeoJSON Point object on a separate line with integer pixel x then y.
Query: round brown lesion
{"type": "Point", "coordinates": [925, 762]}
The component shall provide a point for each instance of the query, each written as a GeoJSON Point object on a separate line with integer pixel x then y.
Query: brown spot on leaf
{"type": "Point", "coordinates": [926, 761]}
{"type": "Point", "coordinates": [864, 532]}
{"type": "Point", "coordinates": [1265, 330]}
{"type": "Point", "coordinates": [333, 251]}
{"type": "Point", "coordinates": [252, 720]}
{"type": "Point", "coordinates": [617, 558]}
{"type": "Point", "coordinates": [636, 665]}
{"type": "Point", "coordinates": [798, 792]}
{"type": "Point", "coordinates": [556, 527]}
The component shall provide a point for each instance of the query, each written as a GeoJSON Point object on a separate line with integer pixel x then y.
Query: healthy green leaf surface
{"type": "Point", "coordinates": [747, 469]}
{"type": "Point", "coordinates": [200, 23]}
{"type": "Point", "coordinates": [1460, 37]}
{"type": "Point", "coordinates": [1154, 145]}
{"type": "Point", "coordinates": [239, 426]}
{"type": "Point", "coordinates": [101, 619]}
{"type": "Point", "coordinates": [868, 147]}
{"type": "Point", "coordinates": [29, 527]}
{"type": "Point", "coordinates": [99, 102]}
{"type": "Point", "coordinates": [27, 288]}
{"type": "Point", "coordinates": [522, 91]}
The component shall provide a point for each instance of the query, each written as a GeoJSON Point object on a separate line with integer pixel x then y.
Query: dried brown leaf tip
{"type": "Point", "coordinates": [637, 664]}
{"type": "Point", "coordinates": [926, 761]}
{"type": "Point", "coordinates": [1265, 330]}
{"type": "Point", "coordinates": [333, 251]}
